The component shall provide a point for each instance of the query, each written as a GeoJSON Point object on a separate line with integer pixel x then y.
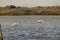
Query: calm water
{"type": "Point", "coordinates": [26, 31]}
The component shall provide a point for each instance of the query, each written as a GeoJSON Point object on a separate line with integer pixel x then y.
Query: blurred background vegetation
{"type": "Point", "coordinates": [38, 10]}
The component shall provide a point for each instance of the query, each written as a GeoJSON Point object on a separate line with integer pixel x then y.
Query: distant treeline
{"type": "Point", "coordinates": [39, 10]}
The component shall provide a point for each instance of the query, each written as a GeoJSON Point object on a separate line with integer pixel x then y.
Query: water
{"type": "Point", "coordinates": [27, 31]}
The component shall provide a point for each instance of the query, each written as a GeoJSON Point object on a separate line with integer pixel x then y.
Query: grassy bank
{"type": "Point", "coordinates": [13, 10]}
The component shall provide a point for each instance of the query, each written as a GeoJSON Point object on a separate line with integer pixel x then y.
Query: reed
{"type": "Point", "coordinates": [1, 37]}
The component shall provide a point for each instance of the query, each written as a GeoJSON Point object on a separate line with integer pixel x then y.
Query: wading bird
{"type": "Point", "coordinates": [40, 24]}
{"type": "Point", "coordinates": [16, 25]}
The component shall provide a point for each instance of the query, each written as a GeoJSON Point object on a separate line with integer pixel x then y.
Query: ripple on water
{"type": "Point", "coordinates": [48, 34]}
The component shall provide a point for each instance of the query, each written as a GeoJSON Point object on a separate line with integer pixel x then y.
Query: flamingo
{"type": "Point", "coordinates": [15, 25]}
{"type": "Point", "coordinates": [40, 24]}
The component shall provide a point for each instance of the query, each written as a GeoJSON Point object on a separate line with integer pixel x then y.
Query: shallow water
{"type": "Point", "coordinates": [27, 31]}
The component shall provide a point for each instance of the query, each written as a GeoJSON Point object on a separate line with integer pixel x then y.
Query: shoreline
{"type": "Point", "coordinates": [29, 15]}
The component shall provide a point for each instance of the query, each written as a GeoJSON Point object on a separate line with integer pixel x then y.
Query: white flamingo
{"type": "Point", "coordinates": [15, 25]}
{"type": "Point", "coordinates": [40, 24]}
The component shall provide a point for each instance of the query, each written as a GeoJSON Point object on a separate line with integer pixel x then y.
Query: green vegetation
{"type": "Point", "coordinates": [13, 10]}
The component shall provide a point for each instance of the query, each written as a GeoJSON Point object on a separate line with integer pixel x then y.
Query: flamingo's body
{"type": "Point", "coordinates": [15, 25]}
{"type": "Point", "coordinates": [40, 24]}
{"type": "Point", "coordinates": [40, 21]}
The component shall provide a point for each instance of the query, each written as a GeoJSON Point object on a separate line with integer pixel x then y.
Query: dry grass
{"type": "Point", "coordinates": [53, 10]}
{"type": "Point", "coordinates": [0, 36]}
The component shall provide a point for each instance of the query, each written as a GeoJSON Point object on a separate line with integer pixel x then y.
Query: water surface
{"type": "Point", "coordinates": [51, 29]}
